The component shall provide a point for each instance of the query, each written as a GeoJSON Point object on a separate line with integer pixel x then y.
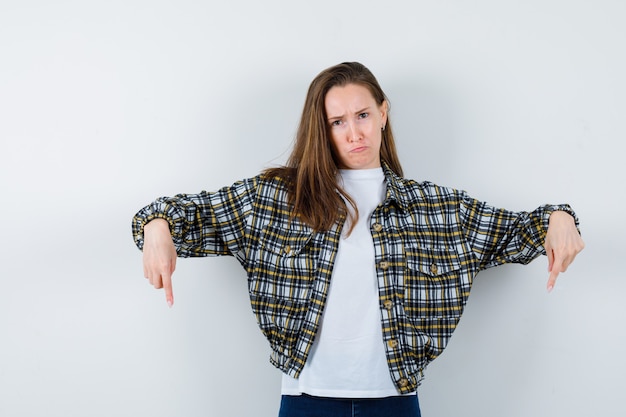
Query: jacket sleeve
{"type": "Point", "coordinates": [204, 224]}
{"type": "Point", "coordinates": [499, 236]}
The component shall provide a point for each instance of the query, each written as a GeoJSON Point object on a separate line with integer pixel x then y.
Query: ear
{"type": "Point", "coordinates": [384, 109]}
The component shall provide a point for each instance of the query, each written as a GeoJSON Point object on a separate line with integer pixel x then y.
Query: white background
{"type": "Point", "coordinates": [106, 105]}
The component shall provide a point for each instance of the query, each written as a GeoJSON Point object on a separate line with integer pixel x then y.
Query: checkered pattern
{"type": "Point", "coordinates": [429, 244]}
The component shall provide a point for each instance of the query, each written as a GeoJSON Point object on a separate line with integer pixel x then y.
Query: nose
{"type": "Point", "coordinates": [354, 134]}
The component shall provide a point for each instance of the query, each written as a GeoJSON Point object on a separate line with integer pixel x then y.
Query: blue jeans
{"type": "Point", "coordinates": [309, 406]}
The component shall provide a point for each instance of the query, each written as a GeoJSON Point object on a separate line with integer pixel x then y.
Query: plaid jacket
{"type": "Point", "coordinates": [429, 244]}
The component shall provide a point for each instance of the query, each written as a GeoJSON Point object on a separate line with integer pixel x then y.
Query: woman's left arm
{"type": "Point", "coordinates": [562, 244]}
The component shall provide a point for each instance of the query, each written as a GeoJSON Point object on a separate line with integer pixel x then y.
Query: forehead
{"type": "Point", "coordinates": [350, 97]}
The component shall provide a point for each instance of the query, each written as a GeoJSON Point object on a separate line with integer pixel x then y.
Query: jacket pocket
{"type": "Point", "coordinates": [285, 265]}
{"type": "Point", "coordinates": [434, 283]}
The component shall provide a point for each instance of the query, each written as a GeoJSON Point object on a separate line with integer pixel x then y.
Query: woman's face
{"type": "Point", "coordinates": [356, 123]}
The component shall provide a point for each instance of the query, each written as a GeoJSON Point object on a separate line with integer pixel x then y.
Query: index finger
{"type": "Point", "coordinates": [555, 269]}
{"type": "Point", "coordinates": [167, 286]}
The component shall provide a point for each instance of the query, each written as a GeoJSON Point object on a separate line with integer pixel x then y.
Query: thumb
{"type": "Point", "coordinates": [550, 255]}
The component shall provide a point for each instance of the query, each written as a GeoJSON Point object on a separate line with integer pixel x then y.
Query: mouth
{"type": "Point", "coordinates": [358, 149]}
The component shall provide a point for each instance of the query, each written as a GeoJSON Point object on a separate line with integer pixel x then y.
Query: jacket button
{"type": "Point", "coordinates": [403, 382]}
{"type": "Point", "coordinates": [433, 268]}
{"type": "Point", "coordinates": [393, 343]}
{"type": "Point", "coordinates": [383, 265]}
{"type": "Point", "coordinates": [377, 227]}
{"type": "Point", "coordinates": [388, 304]}
{"type": "Point", "coordinates": [287, 249]}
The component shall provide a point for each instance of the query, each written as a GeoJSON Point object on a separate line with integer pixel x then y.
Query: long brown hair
{"type": "Point", "coordinates": [311, 170]}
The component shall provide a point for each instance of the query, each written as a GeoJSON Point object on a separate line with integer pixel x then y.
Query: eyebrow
{"type": "Point", "coordinates": [357, 112]}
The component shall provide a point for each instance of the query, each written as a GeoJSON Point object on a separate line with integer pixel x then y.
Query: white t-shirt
{"type": "Point", "coordinates": [348, 358]}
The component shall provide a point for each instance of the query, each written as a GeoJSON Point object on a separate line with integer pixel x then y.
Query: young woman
{"type": "Point", "coordinates": [356, 275]}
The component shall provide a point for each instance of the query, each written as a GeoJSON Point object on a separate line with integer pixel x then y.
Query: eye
{"type": "Point", "coordinates": [363, 115]}
{"type": "Point", "coordinates": [335, 123]}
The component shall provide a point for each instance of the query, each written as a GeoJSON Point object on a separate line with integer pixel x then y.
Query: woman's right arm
{"type": "Point", "coordinates": [204, 224]}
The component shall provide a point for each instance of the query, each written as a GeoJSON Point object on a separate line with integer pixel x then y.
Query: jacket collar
{"type": "Point", "coordinates": [396, 190]}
